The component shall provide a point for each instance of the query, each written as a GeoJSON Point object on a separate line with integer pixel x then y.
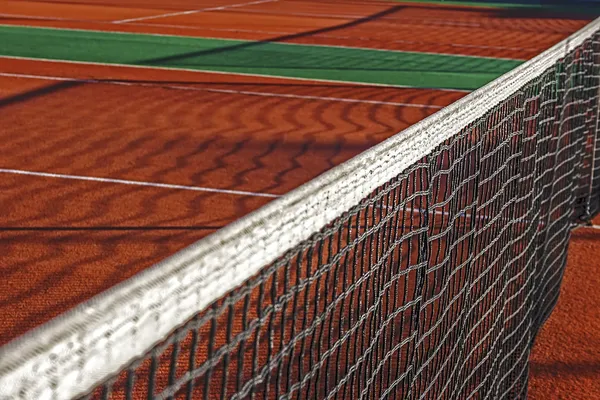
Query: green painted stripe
{"type": "Point", "coordinates": [263, 58]}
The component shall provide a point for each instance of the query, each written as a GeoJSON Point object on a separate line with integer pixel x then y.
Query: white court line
{"type": "Point", "coordinates": [232, 73]}
{"type": "Point", "coordinates": [339, 16]}
{"type": "Point", "coordinates": [337, 99]}
{"type": "Point", "coordinates": [223, 191]}
{"type": "Point", "coordinates": [135, 183]}
{"type": "Point", "coordinates": [122, 21]}
{"type": "Point", "coordinates": [591, 226]}
{"type": "Point", "coordinates": [226, 91]}
{"type": "Point", "coordinates": [414, 21]}
{"type": "Point", "coordinates": [24, 16]}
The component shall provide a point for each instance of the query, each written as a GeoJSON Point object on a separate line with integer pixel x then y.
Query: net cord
{"type": "Point", "coordinates": [70, 355]}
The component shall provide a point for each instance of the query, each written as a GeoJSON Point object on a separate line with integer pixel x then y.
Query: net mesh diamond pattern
{"type": "Point", "coordinates": [432, 287]}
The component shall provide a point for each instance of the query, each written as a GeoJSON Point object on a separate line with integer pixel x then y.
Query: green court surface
{"type": "Point", "coordinates": [421, 70]}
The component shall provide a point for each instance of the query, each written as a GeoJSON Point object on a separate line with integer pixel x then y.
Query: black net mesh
{"type": "Point", "coordinates": [432, 287]}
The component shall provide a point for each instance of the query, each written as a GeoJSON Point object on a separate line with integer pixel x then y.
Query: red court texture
{"type": "Point", "coordinates": [230, 143]}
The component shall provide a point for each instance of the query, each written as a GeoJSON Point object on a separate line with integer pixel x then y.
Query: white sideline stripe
{"type": "Point", "coordinates": [173, 14]}
{"type": "Point", "coordinates": [414, 21]}
{"type": "Point", "coordinates": [232, 73]}
{"type": "Point", "coordinates": [35, 17]}
{"type": "Point", "coordinates": [337, 99]}
{"type": "Point", "coordinates": [226, 91]}
{"type": "Point", "coordinates": [298, 14]}
{"type": "Point", "coordinates": [135, 183]}
{"type": "Point", "coordinates": [68, 356]}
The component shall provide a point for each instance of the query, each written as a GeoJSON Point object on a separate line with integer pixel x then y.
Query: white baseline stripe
{"type": "Point", "coordinates": [135, 183]}
{"type": "Point", "coordinates": [227, 91]}
{"type": "Point", "coordinates": [202, 189]}
{"type": "Point", "coordinates": [411, 21]}
{"type": "Point", "coordinates": [122, 21]}
{"type": "Point", "coordinates": [338, 99]}
{"type": "Point", "coordinates": [231, 73]}
{"type": "Point", "coordinates": [36, 17]}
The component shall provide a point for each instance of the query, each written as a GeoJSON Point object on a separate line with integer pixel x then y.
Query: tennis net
{"type": "Point", "coordinates": [421, 269]}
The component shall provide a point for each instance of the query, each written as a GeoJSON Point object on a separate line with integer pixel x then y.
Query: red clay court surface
{"type": "Point", "coordinates": [87, 236]}
{"type": "Point", "coordinates": [565, 363]}
{"type": "Point", "coordinates": [65, 239]}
